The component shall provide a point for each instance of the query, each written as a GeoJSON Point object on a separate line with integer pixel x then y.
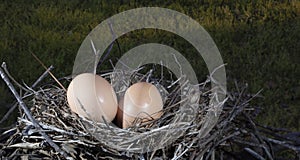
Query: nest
{"type": "Point", "coordinates": [58, 133]}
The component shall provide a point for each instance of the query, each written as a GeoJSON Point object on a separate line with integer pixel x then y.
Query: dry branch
{"type": "Point", "coordinates": [28, 114]}
{"type": "Point", "coordinates": [8, 113]}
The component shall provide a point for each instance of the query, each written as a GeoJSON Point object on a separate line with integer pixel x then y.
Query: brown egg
{"type": "Point", "coordinates": [141, 100]}
{"type": "Point", "coordinates": [93, 97]}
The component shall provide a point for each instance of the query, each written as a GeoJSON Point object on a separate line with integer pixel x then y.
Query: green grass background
{"type": "Point", "coordinates": [259, 40]}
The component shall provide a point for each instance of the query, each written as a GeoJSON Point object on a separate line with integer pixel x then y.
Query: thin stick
{"type": "Point", "coordinates": [27, 112]}
{"type": "Point", "coordinates": [8, 113]}
{"type": "Point", "coordinates": [49, 71]}
{"type": "Point", "coordinates": [26, 93]}
{"type": "Point", "coordinates": [42, 77]}
{"type": "Point", "coordinates": [8, 75]}
{"type": "Point", "coordinates": [283, 143]}
{"type": "Point", "coordinates": [253, 153]}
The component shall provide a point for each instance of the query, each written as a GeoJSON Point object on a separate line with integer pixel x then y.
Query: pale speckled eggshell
{"type": "Point", "coordinates": [96, 96]}
{"type": "Point", "coordinates": [140, 100]}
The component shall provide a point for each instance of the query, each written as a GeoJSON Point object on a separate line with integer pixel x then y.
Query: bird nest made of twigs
{"type": "Point", "coordinates": [175, 135]}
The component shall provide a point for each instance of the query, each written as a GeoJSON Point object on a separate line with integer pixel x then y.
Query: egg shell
{"type": "Point", "coordinates": [93, 97]}
{"type": "Point", "coordinates": [141, 100]}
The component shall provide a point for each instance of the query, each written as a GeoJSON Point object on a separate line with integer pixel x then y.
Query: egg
{"type": "Point", "coordinates": [93, 97]}
{"type": "Point", "coordinates": [141, 100]}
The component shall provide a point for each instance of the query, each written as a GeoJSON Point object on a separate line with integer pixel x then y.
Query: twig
{"type": "Point", "coordinates": [8, 113]}
{"type": "Point", "coordinates": [42, 77]}
{"type": "Point", "coordinates": [258, 136]}
{"type": "Point", "coordinates": [187, 148]}
{"type": "Point", "coordinates": [26, 145]}
{"type": "Point", "coordinates": [253, 153]}
{"type": "Point", "coordinates": [49, 71]}
{"type": "Point", "coordinates": [9, 75]}
{"type": "Point", "coordinates": [27, 112]}
{"type": "Point", "coordinates": [52, 128]}
{"type": "Point", "coordinates": [274, 129]}
{"type": "Point", "coordinates": [26, 93]}
{"type": "Point", "coordinates": [283, 143]}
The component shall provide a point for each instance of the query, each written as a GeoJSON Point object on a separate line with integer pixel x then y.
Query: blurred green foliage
{"type": "Point", "coordinates": [259, 40]}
